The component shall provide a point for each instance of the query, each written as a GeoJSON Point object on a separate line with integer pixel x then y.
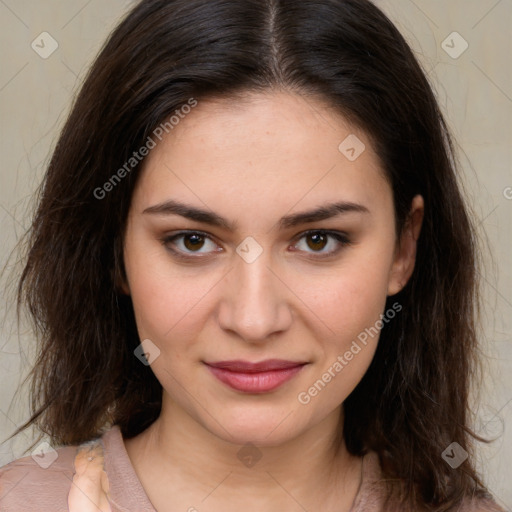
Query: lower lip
{"type": "Point", "coordinates": [261, 382]}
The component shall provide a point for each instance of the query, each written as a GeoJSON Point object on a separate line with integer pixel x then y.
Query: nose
{"type": "Point", "coordinates": [255, 301]}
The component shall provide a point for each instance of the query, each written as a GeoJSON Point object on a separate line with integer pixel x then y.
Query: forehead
{"type": "Point", "coordinates": [272, 149]}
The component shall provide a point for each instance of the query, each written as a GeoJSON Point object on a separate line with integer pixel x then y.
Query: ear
{"type": "Point", "coordinates": [120, 282]}
{"type": "Point", "coordinates": [118, 272]}
{"type": "Point", "coordinates": [123, 286]}
{"type": "Point", "coordinates": [405, 252]}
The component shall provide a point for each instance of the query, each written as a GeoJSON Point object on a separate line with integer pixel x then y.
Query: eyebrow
{"type": "Point", "coordinates": [327, 211]}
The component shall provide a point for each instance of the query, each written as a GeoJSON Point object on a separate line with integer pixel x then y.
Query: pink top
{"type": "Point", "coordinates": [98, 475]}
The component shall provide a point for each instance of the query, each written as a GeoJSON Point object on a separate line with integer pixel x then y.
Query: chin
{"type": "Point", "coordinates": [264, 429]}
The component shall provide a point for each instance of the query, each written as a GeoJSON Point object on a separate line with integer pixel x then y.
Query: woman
{"type": "Point", "coordinates": [315, 353]}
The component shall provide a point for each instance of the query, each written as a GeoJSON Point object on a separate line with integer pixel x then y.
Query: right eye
{"type": "Point", "coordinates": [186, 243]}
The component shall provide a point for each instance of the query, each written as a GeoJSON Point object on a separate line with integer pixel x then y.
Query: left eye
{"type": "Point", "coordinates": [193, 241]}
{"type": "Point", "coordinates": [318, 240]}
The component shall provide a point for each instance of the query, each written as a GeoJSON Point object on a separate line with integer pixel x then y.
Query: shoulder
{"type": "Point", "coordinates": [74, 479]}
{"type": "Point", "coordinates": [373, 492]}
{"type": "Point", "coordinates": [67, 479]}
{"type": "Point", "coordinates": [484, 504]}
{"type": "Point", "coordinates": [40, 481]}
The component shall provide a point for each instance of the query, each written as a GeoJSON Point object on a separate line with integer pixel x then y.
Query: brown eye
{"type": "Point", "coordinates": [186, 243]}
{"type": "Point", "coordinates": [318, 240]}
{"type": "Point", "coordinates": [193, 242]}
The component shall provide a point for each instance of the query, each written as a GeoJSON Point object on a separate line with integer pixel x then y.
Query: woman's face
{"type": "Point", "coordinates": [235, 253]}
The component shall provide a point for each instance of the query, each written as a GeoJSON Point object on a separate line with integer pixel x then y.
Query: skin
{"type": "Point", "coordinates": [254, 162]}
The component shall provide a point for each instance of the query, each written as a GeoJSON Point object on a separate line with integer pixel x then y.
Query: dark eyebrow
{"type": "Point", "coordinates": [173, 207]}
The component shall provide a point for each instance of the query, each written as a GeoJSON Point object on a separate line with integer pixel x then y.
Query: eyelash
{"type": "Point", "coordinates": [342, 239]}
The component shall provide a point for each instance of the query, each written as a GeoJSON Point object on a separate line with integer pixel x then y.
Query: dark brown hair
{"type": "Point", "coordinates": [413, 400]}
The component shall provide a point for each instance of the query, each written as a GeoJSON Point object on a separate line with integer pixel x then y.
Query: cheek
{"type": "Point", "coordinates": [169, 308]}
{"type": "Point", "coordinates": [350, 297]}
{"type": "Point", "coordinates": [352, 312]}
{"type": "Point", "coordinates": [166, 299]}
{"type": "Point", "coordinates": [349, 302]}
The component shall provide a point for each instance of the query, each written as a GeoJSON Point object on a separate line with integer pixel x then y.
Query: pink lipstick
{"type": "Point", "coordinates": [260, 377]}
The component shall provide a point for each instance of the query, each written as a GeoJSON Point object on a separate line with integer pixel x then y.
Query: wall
{"type": "Point", "coordinates": [474, 86]}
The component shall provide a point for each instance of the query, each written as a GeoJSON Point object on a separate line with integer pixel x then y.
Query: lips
{"type": "Point", "coordinates": [260, 377]}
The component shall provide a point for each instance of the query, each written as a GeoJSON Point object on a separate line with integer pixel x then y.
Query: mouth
{"type": "Point", "coordinates": [260, 377]}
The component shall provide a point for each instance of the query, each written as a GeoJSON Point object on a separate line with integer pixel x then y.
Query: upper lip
{"type": "Point", "coordinates": [268, 365]}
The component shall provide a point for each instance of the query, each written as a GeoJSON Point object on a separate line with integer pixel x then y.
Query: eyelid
{"type": "Point", "coordinates": [166, 239]}
{"type": "Point", "coordinates": [341, 237]}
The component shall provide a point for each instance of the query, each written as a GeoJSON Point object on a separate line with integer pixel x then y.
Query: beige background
{"type": "Point", "coordinates": [474, 89]}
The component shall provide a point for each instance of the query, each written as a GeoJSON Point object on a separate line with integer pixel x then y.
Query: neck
{"type": "Point", "coordinates": [188, 456]}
